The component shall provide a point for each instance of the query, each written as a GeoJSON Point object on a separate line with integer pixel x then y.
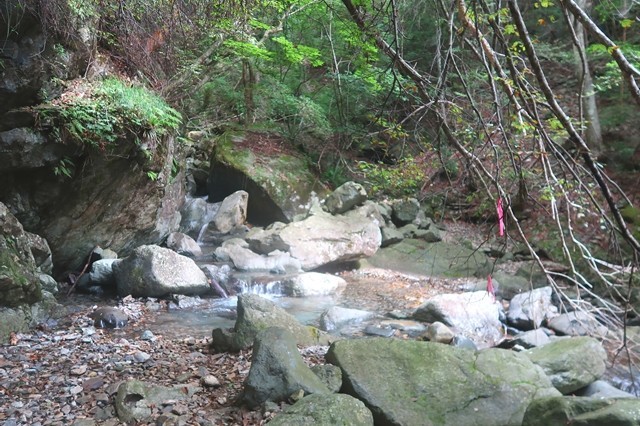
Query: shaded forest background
{"type": "Point", "coordinates": [465, 105]}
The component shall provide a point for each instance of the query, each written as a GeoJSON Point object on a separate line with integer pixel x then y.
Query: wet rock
{"type": "Point", "coordinates": [184, 302]}
{"type": "Point", "coordinates": [406, 326]}
{"type": "Point", "coordinates": [278, 370]}
{"type": "Point", "coordinates": [313, 284]}
{"type": "Point", "coordinates": [320, 410]}
{"type": "Point", "coordinates": [154, 271]}
{"type": "Point", "coordinates": [582, 411]}
{"type": "Point", "coordinates": [577, 323]}
{"type": "Point", "coordinates": [464, 343]}
{"type": "Point", "coordinates": [232, 212]}
{"type": "Point", "coordinates": [345, 197]}
{"type": "Point", "coordinates": [571, 363]}
{"type": "Point", "coordinates": [183, 244]}
{"type": "Point", "coordinates": [135, 399]}
{"type": "Point", "coordinates": [415, 383]}
{"type": "Point", "coordinates": [379, 330]}
{"type": "Point", "coordinates": [475, 315]}
{"type": "Point", "coordinates": [256, 314]}
{"type": "Point", "coordinates": [529, 309]}
{"type": "Point", "coordinates": [440, 333]}
{"type": "Point", "coordinates": [337, 316]}
{"type": "Point", "coordinates": [109, 318]}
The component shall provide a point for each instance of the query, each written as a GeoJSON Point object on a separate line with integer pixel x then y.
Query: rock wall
{"type": "Point", "coordinates": [109, 201]}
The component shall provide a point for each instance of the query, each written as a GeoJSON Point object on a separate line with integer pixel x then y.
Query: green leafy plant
{"type": "Point", "coordinates": [405, 178]}
{"type": "Point", "coordinates": [66, 167]}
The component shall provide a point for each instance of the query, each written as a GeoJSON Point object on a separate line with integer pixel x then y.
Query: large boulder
{"type": "Point", "coordinates": [313, 284]}
{"type": "Point", "coordinates": [255, 314]}
{"type": "Point", "coordinates": [183, 244]}
{"type": "Point", "coordinates": [528, 310]}
{"type": "Point", "coordinates": [277, 370]}
{"type": "Point", "coordinates": [424, 383]}
{"type": "Point", "coordinates": [433, 259]}
{"type": "Point", "coordinates": [325, 410]}
{"type": "Point", "coordinates": [237, 164]}
{"type": "Point", "coordinates": [232, 212]}
{"type": "Point", "coordinates": [244, 259]}
{"type": "Point", "coordinates": [475, 315]}
{"type": "Point", "coordinates": [345, 197]}
{"type": "Point", "coordinates": [154, 271]}
{"type": "Point", "coordinates": [320, 239]}
{"type": "Point", "coordinates": [568, 410]}
{"type": "Point", "coordinates": [571, 363]}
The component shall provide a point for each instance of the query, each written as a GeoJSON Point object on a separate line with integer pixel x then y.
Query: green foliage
{"type": "Point", "coordinates": [109, 110]}
{"type": "Point", "coordinates": [66, 167]}
{"type": "Point", "coordinates": [298, 114]}
{"type": "Point", "coordinates": [405, 178]}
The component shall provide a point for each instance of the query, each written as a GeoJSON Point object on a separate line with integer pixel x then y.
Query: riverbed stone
{"type": "Point", "coordinates": [528, 310]}
{"type": "Point", "coordinates": [153, 271]}
{"type": "Point", "coordinates": [320, 239]}
{"type": "Point", "coordinates": [278, 370]}
{"type": "Point", "coordinates": [345, 197]}
{"type": "Point", "coordinates": [439, 259]}
{"type": "Point", "coordinates": [584, 411]}
{"type": "Point", "coordinates": [440, 333]}
{"type": "Point", "coordinates": [313, 284]}
{"type": "Point", "coordinates": [404, 211]}
{"type": "Point", "coordinates": [531, 339]}
{"type": "Point", "coordinates": [135, 400]}
{"type": "Point", "coordinates": [324, 410]}
{"type": "Point", "coordinates": [602, 389]}
{"type": "Point", "coordinates": [102, 273]}
{"type": "Point", "coordinates": [330, 375]}
{"type": "Point", "coordinates": [255, 314]}
{"type": "Point", "coordinates": [571, 362]}
{"type": "Point", "coordinates": [475, 315]}
{"type": "Point", "coordinates": [336, 316]}
{"type": "Point", "coordinates": [244, 259]}
{"type": "Point", "coordinates": [414, 383]}
{"type": "Point", "coordinates": [232, 212]}
{"type": "Point", "coordinates": [183, 244]}
{"type": "Point", "coordinates": [577, 323]}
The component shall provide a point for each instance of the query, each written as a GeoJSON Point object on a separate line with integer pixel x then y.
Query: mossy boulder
{"type": "Point", "coordinates": [278, 180]}
{"type": "Point", "coordinates": [569, 410]}
{"type": "Point", "coordinates": [425, 383]}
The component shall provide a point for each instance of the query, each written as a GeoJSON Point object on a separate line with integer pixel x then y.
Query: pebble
{"type": "Point", "coordinates": [210, 381]}
{"type": "Point", "coordinates": [79, 371]}
{"type": "Point", "coordinates": [148, 335]}
{"type": "Point", "coordinates": [75, 390]}
{"type": "Point", "coordinates": [140, 356]}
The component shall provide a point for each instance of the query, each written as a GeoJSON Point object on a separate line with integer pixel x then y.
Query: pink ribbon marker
{"type": "Point", "coordinates": [500, 217]}
{"type": "Point", "coordinates": [490, 288]}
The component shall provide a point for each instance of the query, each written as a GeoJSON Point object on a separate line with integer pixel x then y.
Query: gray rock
{"type": "Point", "coordinates": [193, 216]}
{"type": "Point", "coordinates": [337, 316]}
{"type": "Point", "coordinates": [330, 375]}
{"type": "Point", "coordinates": [41, 253]}
{"type": "Point", "coordinates": [532, 338]}
{"type": "Point", "coordinates": [345, 197]}
{"type": "Point", "coordinates": [256, 314]}
{"type": "Point", "coordinates": [440, 333]}
{"type": "Point", "coordinates": [528, 310]}
{"type": "Point", "coordinates": [23, 317]}
{"type": "Point", "coordinates": [154, 271]}
{"type": "Point", "coordinates": [109, 318]}
{"type": "Point", "coordinates": [432, 259]}
{"type": "Point", "coordinates": [186, 302]}
{"type": "Point", "coordinates": [405, 211]}
{"type": "Point", "coordinates": [475, 315]}
{"type": "Point", "coordinates": [602, 389]}
{"type": "Point", "coordinates": [325, 410]}
{"type": "Point", "coordinates": [577, 323]}
{"type": "Point", "coordinates": [48, 283]}
{"type": "Point", "coordinates": [420, 383]}
{"type": "Point", "coordinates": [278, 370]}
{"type": "Point", "coordinates": [136, 400]}
{"type": "Point", "coordinates": [583, 411]}
{"type": "Point", "coordinates": [464, 343]}
{"type": "Point", "coordinates": [102, 272]}
{"type": "Point", "coordinates": [320, 239]}
{"type": "Point", "coordinates": [232, 212]}
{"type": "Point", "coordinates": [183, 244]}
{"type": "Point", "coordinates": [313, 284]}
{"type": "Point", "coordinates": [571, 363]}
{"type": "Point", "coordinates": [379, 330]}
{"type": "Point", "coordinates": [390, 235]}
{"type": "Point", "coordinates": [244, 259]}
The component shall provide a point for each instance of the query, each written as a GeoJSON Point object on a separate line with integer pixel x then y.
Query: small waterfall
{"type": "Point", "coordinates": [202, 232]}
{"type": "Point", "coordinates": [260, 287]}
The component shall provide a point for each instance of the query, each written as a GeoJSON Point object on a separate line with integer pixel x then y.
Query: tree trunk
{"type": "Point", "coordinates": [592, 131]}
{"type": "Point", "coordinates": [248, 81]}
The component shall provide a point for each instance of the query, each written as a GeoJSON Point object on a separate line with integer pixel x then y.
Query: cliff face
{"type": "Point", "coordinates": [120, 194]}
